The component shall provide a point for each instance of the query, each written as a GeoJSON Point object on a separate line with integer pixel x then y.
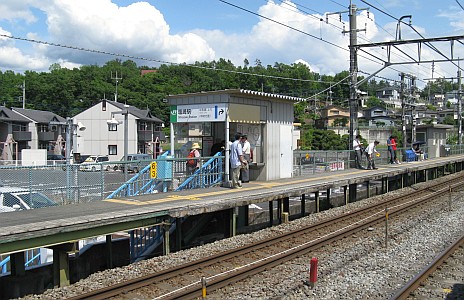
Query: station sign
{"type": "Point", "coordinates": [198, 113]}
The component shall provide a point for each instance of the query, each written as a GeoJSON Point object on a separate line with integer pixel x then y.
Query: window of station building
{"type": "Point", "coordinates": [112, 149]}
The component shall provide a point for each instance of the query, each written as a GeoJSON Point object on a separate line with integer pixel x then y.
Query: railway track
{"type": "Point", "coordinates": [417, 285]}
{"type": "Point", "coordinates": [189, 280]}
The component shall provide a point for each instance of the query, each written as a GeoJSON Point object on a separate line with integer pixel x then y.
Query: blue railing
{"type": "Point", "coordinates": [31, 259]}
{"type": "Point", "coordinates": [208, 175]}
{"type": "Point", "coordinates": [143, 183]}
{"type": "Point", "coordinates": [145, 240]}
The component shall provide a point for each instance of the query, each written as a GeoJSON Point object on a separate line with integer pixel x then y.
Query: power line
{"type": "Point", "coordinates": [428, 44]}
{"type": "Point", "coordinates": [459, 4]}
{"type": "Point", "coordinates": [156, 60]}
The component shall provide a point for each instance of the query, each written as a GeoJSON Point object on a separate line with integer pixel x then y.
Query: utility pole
{"type": "Point", "coordinates": [459, 108]}
{"type": "Point", "coordinates": [354, 76]}
{"type": "Point", "coordinates": [353, 31]}
{"type": "Point", "coordinates": [413, 110]}
{"type": "Point", "coordinates": [403, 111]}
{"type": "Point", "coordinates": [117, 80]}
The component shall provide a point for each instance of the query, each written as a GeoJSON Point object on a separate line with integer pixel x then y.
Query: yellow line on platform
{"type": "Point", "coordinates": [131, 202]}
{"type": "Point", "coordinates": [199, 196]}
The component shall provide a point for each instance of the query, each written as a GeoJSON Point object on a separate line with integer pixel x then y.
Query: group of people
{"type": "Point", "coordinates": [240, 157]}
{"type": "Point", "coordinates": [371, 152]}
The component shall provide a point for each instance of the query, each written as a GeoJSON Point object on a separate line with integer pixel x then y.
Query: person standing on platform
{"type": "Point", "coordinates": [370, 152]}
{"type": "Point", "coordinates": [390, 142]}
{"type": "Point", "coordinates": [394, 147]}
{"type": "Point", "coordinates": [193, 161]}
{"type": "Point", "coordinates": [246, 149]}
{"type": "Point", "coordinates": [358, 150]}
{"type": "Point", "coordinates": [236, 161]}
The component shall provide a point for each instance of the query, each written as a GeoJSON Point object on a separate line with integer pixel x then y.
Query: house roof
{"type": "Point", "coordinates": [141, 114]}
{"type": "Point", "coordinates": [9, 115]}
{"type": "Point", "coordinates": [39, 116]}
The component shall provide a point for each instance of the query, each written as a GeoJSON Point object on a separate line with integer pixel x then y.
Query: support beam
{"type": "Point", "coordinates": [303, 205]}
{"type": "Point", "coordinates": [271, 213]}
{"type": "Point", "coordinates": [178, 234]}
{"type": "Point", "coordinates": [317, 199]}
{"type": "Point", "coordinates": [166, 241]}
{"type": "Point", "coordinates": [61, 263]}
{"type": "Point", "coordinates": [109, 252]}
{"type": "Point", "coordinates": [17, 264]}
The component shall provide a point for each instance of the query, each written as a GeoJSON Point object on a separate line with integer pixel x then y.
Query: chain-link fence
{"type": "Point", "coordinates": [29, 187]}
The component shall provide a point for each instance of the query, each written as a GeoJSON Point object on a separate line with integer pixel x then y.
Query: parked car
{"type": "Point", "coordinates": [95, 163]}
{"type": "Point", "coordinates": [23, 199]}
{"type": "Point", "coordinates": [135, 162]}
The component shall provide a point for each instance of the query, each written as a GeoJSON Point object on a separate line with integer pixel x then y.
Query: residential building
{"type": "Point", "coordinates": [102, 137]}
{"type": "Point", "coordinates": [14, 134]}
{"type": "Point", "coordinates": [390, 95]}
{"type": "Point", "coordinates": [44, 134]}
{"type": "Point", "coordinates": [378, 116]}
{"type": "Point", "coordinates": [332, 115]}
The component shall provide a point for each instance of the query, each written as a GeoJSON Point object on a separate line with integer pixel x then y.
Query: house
{"type": "Point", "coordinates": [332, 116]}
{"type": "Point", "coordinates": [104, 134]}
{"type": "Point", "coordinates": [14, 134]}
{"type": "Point", "coordinates": [43, 134]}
{"type": "Point", "coordinates": [390, 95]}
{"type": "Point", "coordinates": [378, 116]}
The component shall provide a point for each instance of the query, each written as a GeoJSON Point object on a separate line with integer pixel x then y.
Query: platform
{"type": "Point", "coordinates": [57, 225]}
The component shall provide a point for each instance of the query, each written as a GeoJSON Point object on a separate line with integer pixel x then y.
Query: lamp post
{"type": "Point", "coordinates": [113, 121]}
{"type": "Point", "coordinates": [70, 132]}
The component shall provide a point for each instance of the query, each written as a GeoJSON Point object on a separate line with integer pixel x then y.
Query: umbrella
{"type": "Point", "coordinates": [418, 143]}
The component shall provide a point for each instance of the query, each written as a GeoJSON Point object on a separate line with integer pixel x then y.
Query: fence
{"type": "Point", "coordinates": [29, 186]}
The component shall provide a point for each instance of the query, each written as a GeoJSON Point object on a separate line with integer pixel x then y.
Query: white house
{"type": "Point", "coordinates": [104, 136]}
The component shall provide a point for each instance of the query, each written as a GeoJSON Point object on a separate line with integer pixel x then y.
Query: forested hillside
{"type": "Point", "coordinates": [69, 91]}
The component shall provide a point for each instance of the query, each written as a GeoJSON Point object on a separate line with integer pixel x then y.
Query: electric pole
{"type": "Point", "coordinates": [353, 102]}
{"type": "Point", "coordinates": [117, 80]}
{"type": "Point", "coordinates": [459, 108]}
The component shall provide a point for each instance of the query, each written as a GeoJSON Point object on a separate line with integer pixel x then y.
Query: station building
{"type": "Point", "coordinates": [211, 117]}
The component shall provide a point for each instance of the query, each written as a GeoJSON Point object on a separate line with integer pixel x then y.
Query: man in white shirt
{"type": "Point", "coordinates": [246, 149]}
{"type": "Point", "coordinates": [236, 161]}
{"type": "Point", "coordinates": [371, 151]}
{"type": "Point", "coordinates": [358, 150]}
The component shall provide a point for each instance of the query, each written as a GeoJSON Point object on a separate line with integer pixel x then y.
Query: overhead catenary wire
{"type": "Point", "coordinates": [428, 44]}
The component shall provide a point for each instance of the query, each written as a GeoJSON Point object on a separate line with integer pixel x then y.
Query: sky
{"type": "Point", "coordinates": [186, 31]}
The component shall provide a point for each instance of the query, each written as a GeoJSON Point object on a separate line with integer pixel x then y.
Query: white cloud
{"type": "Point", "coordinates": [138, 30]}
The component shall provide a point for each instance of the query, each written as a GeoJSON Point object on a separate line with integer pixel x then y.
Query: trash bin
{"type": "Point", "coordinates": [445, 150]}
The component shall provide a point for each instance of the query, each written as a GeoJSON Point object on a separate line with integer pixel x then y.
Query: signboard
{"type": "Point", "coordinates": [198, 113]}
{"type": "Point", "coordinates": [154, 169]}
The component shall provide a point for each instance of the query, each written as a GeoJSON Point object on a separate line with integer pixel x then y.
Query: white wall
{"type": "Point", "coordinates": [96, 138]}
{"type": "Point", "coordinates": [34, 157]}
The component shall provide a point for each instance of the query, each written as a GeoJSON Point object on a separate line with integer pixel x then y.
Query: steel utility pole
{"type": "Point", "coordinates": [459, 108]}
{"type": "Point", "coordinates": [116, 78]}
{"type": "Point", "coordinates": [353, 31]}
{"type": "Point", "coordinates": [354, 76]}
{"type": "Point", "coordinates": [403, 111]}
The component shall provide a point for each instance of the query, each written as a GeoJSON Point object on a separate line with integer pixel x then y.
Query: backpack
{"type": "Point", "coordinates": [191, 162]}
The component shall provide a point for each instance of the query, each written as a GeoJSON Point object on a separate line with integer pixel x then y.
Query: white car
{"type": "Point", "coordinates": [95, 163]}
{"type": "Point", "coordinates": [23, 199]}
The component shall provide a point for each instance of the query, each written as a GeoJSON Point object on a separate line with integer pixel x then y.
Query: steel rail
{"type": "Point", "coordinates": [143, 281]}
{"type": "Point", "coordinates": [417, 280]}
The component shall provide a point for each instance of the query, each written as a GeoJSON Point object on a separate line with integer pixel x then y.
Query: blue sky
{"type": "Point", "coordinates": [185, 31]}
